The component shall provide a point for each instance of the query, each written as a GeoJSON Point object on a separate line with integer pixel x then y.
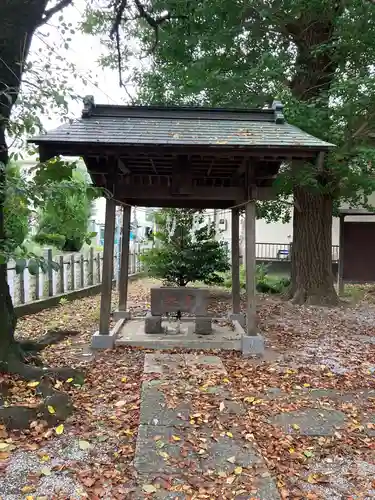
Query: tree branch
{"type": "Point", "coordinates": [54, 10]}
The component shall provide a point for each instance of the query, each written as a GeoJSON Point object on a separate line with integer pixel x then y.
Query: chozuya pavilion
{"type": "Point", "coordinates": [183, 157]}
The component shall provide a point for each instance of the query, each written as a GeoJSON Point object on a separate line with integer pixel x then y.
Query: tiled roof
{"type": "Point", "coordinates": [137, 125]}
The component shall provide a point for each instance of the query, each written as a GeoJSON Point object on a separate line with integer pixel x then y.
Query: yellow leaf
{"type": "Point", "coordinates": [291, 450]}
{"type": "Point", "coordinates": [51, 410]}
{"type": "Point", "coordinates": [4, 446]}
{"type": "Point", "coordinates": [59, 429]}
{"type": "Point", "coordinates": [28, 489]}
{"type": "Point", "coordinates": [69, 380]}
{"type": "Point", "coordinates": [124, 379]}
{"type": "Point", "coordinates": [238, 471]}
{"type": "Point", "coordinates": [249, 399]}
{"type": "Point", "coordinates": [45, 458]}
{"type": "Point", "coordinates": [311, 478]}
{"type": "Point", "coordinates": [330, 374]}
{"type": "Point", "coordinates": [306, 385]}
{"type": "Point", "coordinates": [29, 497]}
{"type": "Point", "coordinates": [149, 488]}
{"type": "Point", "coordinates": [226, 380]}
{"type": "Point", "coordinates": [296, 427]}
{"type": "Point", "coordinates": [33, 384]}
{"type": "Point", "coordinates": [229, 434]}
{"type": "Point", "coordinates": [176, 438]}
{"type": "Point", "coordinates": [231, 460]}
{"type": "Point", "coordinates": [46, 471]}
{"type": "Point", "coordinates": [84, 445]}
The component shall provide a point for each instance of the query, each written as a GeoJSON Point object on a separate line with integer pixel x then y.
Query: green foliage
{"type": "Point", "coordinates": [64, 217]}
{"type": "Point", "coordinates": [186, 250]}
{"type": "Point", "coordinates": [265, 282]}
{"type": "Point", "coordinates": [315, 56]}
{"type": "Point", "coordinates": [16, 210]}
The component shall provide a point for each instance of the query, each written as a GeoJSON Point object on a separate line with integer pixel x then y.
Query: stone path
{"type": "Point", "coordinates": [188, 441]}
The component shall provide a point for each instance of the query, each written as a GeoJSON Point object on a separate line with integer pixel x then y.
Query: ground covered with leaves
{"type": "Point", "coordinates": [309, 405]}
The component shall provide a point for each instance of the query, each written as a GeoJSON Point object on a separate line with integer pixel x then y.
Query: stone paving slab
{"type": "Point", "coordinates": [168, 442]}
{"type": "Point", "coordinates": [311, 421]}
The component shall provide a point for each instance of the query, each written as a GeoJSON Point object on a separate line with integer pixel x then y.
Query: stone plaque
{"type": "Point", "coordinates": [187, 300]}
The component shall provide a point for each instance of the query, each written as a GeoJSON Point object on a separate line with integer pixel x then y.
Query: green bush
{"type": "Point", "coordinates": [265, 283]}
{"type": "Point", "coordinates": [185, 250]}
{"type": "Point", "coordinates": [16, 209]}
{"type": "Point", "coordinates": [63, 221]}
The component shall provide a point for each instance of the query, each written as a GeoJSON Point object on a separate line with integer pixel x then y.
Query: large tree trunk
{"type": "Point", "coordinates": [312, 277]}
{"type": "Point", "coordinates": [18, 21]}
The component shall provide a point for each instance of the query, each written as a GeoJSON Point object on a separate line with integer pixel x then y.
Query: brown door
{"type": "Point", "coordinates": [359, 252]}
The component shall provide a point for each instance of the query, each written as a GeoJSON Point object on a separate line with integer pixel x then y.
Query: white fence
{"type": "Point", "coordinates": [76, 271]}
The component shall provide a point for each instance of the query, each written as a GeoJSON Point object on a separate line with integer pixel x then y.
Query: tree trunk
{"type": "Point", "coordinates": [18, 21]}
{"type": "Point", "coordinates": [312, 277]}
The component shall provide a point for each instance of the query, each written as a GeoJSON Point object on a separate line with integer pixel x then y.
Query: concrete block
{"type": "Point", "coordinates": [171, 299]}
{"type": "Point", "coordinates": [107, 341]}
{"type": "Point", "coordinates": [240, 317]}
{"type": "Point", "coordinates": [203, 326]}
{"type": "Point", "coordinates": [153, 324]}
{"type": "Point", "coordinates": [103, 341]}
{"type": "Point", "coordinates": [252, 344]}
{"type": "Point", "coordinates": [121, 315]}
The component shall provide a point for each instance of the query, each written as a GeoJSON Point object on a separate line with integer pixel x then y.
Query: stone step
{"type": "Point", "coordinates": [188, 439]}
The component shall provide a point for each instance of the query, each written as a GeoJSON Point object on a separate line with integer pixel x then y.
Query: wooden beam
{"type": "Point", "coordinates": [182, 181]}
{"type": "Point", "coordinates": [340, 271]}
{"type": "Point", "coordinates": [124, 261]}
{"type": "Point", "coordinates": [251, 325]}
{"type": "Point", "coordinates": [109, 241]}
{"type": "Point", "coordinates": [124, 190]}
{"type": "Point", "coordinates": [236, 287]}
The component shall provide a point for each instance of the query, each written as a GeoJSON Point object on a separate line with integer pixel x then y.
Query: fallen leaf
{"type": "Point", "coordinates": [124, 379]}
{"type": "Point", "coordinates": [33, 384]}
{"type": "Point", "coordinates": [46, 471]}
{"type": "Point", "coordinates": [84, 445]}
{"type": "Point", "coordinates": [296, 427]}
{"type": "Point", "coordinates": [45, 458]}
{"type": "Point", "coordinates": [229, 434]}
{"type": "Point", "coordinates": [308, 453]}
{"type": "Point", "coordinates": [120, 404]}
{"type": "Point", "coordinates": [149, 488]}
{"type": "Point", "coordinates": [69, 380]}
{"type": "Point", "coordinates": [51, 410]}
{"type": "Point", "coordinates": [249, 400]}
{"type": "Point", "coordinates": [59, 429]}
{"type": "Point", "coordinates": [28, 489]}
{"type": "Point", "coordinates": [238, 471]}
{"type": "Point", "coordinates": [176, 438]}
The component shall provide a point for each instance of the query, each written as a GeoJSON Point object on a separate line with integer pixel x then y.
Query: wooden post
{"type": "Point", "coordinates": [62, 274]}
{"type": "Point", "coordinates": [91, 266]}
{"type": "Point", "coordinates": [236, 307]}
{"type": "Point", "coordinates": [124, 259]}
{"type": "Point", "coordinates": [250, 269]}
{"type": "Point", "coordinates": [50, 272]}
{"type": "Point", "coordinates": [109, 241]}
{"type": "Point", "coordinates": [72, 272]}
{"type": "Point", "coordinates": [340, 271]}
{"type": "Point", "coordinates": [82, 271]}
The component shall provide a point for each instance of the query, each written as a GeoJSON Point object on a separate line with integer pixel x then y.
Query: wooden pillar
{"type": "Point", "coordinates": [124, 259]}
{"type": "Point", "coordinates": [109, 241]}
{"type": "Point", "coordinates": [236, 307]}
{"type": "Point", "coordinates": [251, 326]}
{"type": "Point", "coordinates": [340, 271]}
